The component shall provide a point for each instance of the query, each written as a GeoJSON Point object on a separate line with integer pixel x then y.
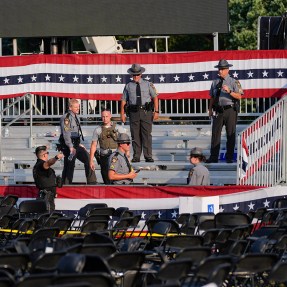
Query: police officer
{"type": "Point", "coordinates": [140, 98]}
{"type": "Point", "coordinates": [120, 170]}
{"type": "Point", "coordinates": [70, 141]}
{"type": "Point", "coordinates": [106, 135]}
{"type": "Point", "coordinates": [225, 94]}
{"type": "Point", "coordinates": [45, 177]}
{"type": "Point", "coordinates": [199, 174]}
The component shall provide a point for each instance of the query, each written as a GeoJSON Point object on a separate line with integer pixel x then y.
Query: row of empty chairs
{"type": "Point", "coordinates": [104, 246]}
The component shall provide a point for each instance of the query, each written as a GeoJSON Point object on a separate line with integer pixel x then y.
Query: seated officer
{"type": "Point", "coordinates": [120, 170]}
{"type": "Point", "coordinates": [45, 177]}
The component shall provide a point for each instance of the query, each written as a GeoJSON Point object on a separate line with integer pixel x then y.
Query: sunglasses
{"type": "Point", "coordinates": [46, 153]}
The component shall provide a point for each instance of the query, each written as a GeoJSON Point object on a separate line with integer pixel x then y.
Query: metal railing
{"type": "Point", "coordinates": [50, 109]}
{"type": "Point", "coordinates": [262, 148]}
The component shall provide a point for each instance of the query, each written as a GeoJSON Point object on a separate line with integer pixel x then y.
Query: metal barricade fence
{"type": "Point", "coordinates": [52, 108]}
{"type": "Point", "coordinates": [262, 149]}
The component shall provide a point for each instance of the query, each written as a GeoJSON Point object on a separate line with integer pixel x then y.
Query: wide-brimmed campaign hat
{"type": "Point", "coordinates": [123, 138]}
{"type": "Point", "coordinates": [136, 69]}
{"type": "Point", "coordinates": [223, 64]}
{"type": "Point", "coordinates": [196, 151]}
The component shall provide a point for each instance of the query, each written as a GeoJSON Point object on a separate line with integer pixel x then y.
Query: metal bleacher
{"type": "Point", "coordinates": [171, 147]}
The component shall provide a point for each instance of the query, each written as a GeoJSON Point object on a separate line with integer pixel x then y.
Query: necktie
{"type": "Point", "coordinates": [139, 97]}
{"type": "Point", "coordinates": [79, 127]}
{"type": "Point", "coordinates": [128, 163]}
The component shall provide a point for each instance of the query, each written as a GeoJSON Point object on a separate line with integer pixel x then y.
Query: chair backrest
{"type": "Point", "coordinates": [231, 219]}
{"type": "Point", "coordinates": [32, 208]}
{"type": "Point", "coordinates": [280, 203]}
{"type": "Point", "coordinates": [71, 263]}
{"type": "Point", "coordinates": [124, 261]}
{"type": "Point", "coordinates": [83, 212]}
{"type": "Point", "coordinates": [94, 226]}
{"type": "Point", "coordinates": [103, 250]}
{"type": "Point", "coordinates": [9, 200]}
{"type": "Point", "coordinates": [183, 241]}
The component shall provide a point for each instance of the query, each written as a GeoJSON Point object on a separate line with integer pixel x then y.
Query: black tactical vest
{"type": "Point", "coordinates": [108, 137]}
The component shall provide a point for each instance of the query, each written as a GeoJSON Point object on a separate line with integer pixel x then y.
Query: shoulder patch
{"type": "Point", "coordinates": [114, 159]}
{"type": "Point", "coordinates": [239, 86]}
{"type": "Point", "coordinates": [67, 124]}
{"type": "Point", "coordinates": [153, 87]}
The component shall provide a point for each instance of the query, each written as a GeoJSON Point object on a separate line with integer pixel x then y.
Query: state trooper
{"type": "Point", "coordinates": [70, 144]}
{"type": "Point", "coordinates": [106, 135]}
{"type": "Point", "coordinates": [45, 177]}
{"type": "Point", "coordinates": [199, 174]}
{"type": "Point", "coordinates": [140, 102]}
{"type": "Point", "coordinates": [225, 93]}
{"type": "Point", "coordinates": [120, 170]}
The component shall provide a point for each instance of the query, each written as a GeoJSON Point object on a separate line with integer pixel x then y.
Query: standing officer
{"type": "Point", "coordinates": [199, 174]}
{"type": "Point", "coordinates": [120, 170]}
{"type": "Point", "coordinates": [45, 177]}
{"type": "Point", "coordinates": [106, 135]}
{"type": "Point", "coordinates": [70, 142]}
{"type": "Point", "coordinates": [140, 99]}
{"type": "Point", "coordinates": [225, 94]}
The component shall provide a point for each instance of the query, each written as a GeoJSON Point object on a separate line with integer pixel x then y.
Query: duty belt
{"type": "Point", "coordinates": [226, 107]}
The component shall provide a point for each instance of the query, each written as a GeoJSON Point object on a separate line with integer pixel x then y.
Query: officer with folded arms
{"type": "Point", "coordinates": [45, 177]}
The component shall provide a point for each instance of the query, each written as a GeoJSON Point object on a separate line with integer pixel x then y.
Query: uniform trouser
{"type": "Point", "coordinates": [69, 165]}
{"type": "Point", "coordinates": [104, 162]}
{"type": "Point", "coordinates": [229, 119]}
{"type": "Point", "coordinates": [141, 128]}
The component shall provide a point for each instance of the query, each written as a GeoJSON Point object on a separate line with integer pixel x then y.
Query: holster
{"type": "Point", "coordinates": [98, 157]}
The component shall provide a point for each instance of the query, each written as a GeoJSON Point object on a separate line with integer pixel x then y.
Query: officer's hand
{"type": "Point", "coordinates": [226, 89]}
{"type": "Point", "coordinates": [132, 175]}
{"type": "Point", "coordinates": [210, 113]}
{"type": "Point", "coordinates": [60, 155]}
{"type": "Point", "coordinates": [73, 150]}
{"type": "Point", "coordinates": [92, 165]}
{"type": "Point", "coordinates": [155, 116]}
{"type": "Point", "coordinates": [123, 118]}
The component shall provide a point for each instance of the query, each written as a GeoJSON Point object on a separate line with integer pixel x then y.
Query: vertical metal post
{"type": "Point", "coordinates": [1, 53]}
{"type": "Point", "coordinates": [31, 119]}
{"type": "Point", "coordinates": [215, 41]}
{"type": "Point", "coordinates": [15, 47]}
{"type": "Point", "coordinates": [284, 141]}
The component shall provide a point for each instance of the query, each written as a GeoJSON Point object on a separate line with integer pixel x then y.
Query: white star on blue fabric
{"type": "Point", "coordinates": [61, 78]}
{"type": "Point", "coordinates": [266, 203]}
{"type": "Point", "coordinates": [176, 78]}
{"type": "Point", "coordinates": [221, 209]}
{"type": "Point", "coordinates": [251, 205]}
{"type": "Point", "coordinates": [33, 78]}
{"type": "Point", "coordinates": [250, 74]}
{"type": "Point", "coordinates": [205, 76]}
{"type": "Point", "coordinates": [20, 80]}
{"type": "Point", "coordinates": [143, 215]}
{"type": "Point", "coordinates": [159, 214]}
{"type": "Point", "coordinates": [47, 78]}
{"type": "Point", "coordinates": [75, 79]}
{"type": "Point", "coordinates": [161, 78]}
{"type": "Point", "coordinates": [280, 73]}
{"type": "Point", "coordinates": [6, 81]}
{"type": "Point", "coordinates": [191, 77]}
{"type": "Point", "coordinates": [90, 79]}
{"type": "Point", "coordinates": [118, 79]}
{"type": "Point", "coordinates": [104, 79]}
{"type": "Point", "coordinates": [174, 214]}
{"type": "Point", "coordinates": [235, 75]}
{"type": "Point", "coordinates": [236, 207]}
{"type": "Point", "coordinates": [147, 78]}
{"type": "Point", "coordinates": [265, 74]}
